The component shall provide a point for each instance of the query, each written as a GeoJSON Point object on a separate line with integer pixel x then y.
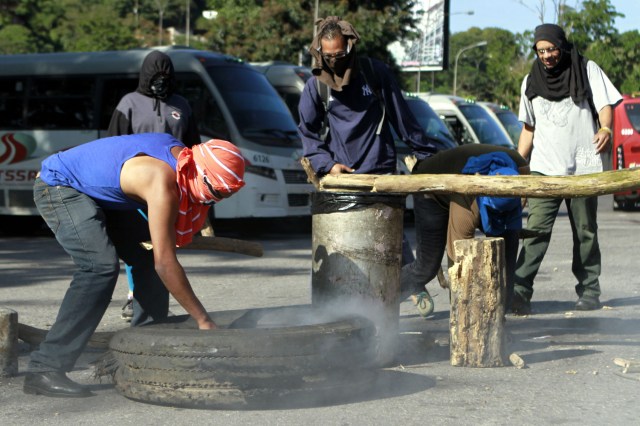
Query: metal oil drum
{"type": "Point", "coordinates": [356, 259]}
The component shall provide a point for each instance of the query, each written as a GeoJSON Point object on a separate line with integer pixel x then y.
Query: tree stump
{"type": "Point", "coordinates": [8, 342]}
{"type": "Point", "coordinates": [478, 291]}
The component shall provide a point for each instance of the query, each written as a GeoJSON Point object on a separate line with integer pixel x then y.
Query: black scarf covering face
{"type": "Point", "coordinates": [567, 78]}
{"type": "Point", "coordinates": [157, 78]}
{"type": "Point", "coordinates": [320, 69]}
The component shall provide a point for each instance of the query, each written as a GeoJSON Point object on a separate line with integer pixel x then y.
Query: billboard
{"type": "Point", "coordinates": [430, 51]}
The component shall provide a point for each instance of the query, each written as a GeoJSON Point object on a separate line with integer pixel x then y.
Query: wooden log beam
{"type": "Point", "coordinates": [522, 186]}
{"type": "Point", "coordinates": [34, 336]}
{"type": "Point", "coordinates": [231, 245]}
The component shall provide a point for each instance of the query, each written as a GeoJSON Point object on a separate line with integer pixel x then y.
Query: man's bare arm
{"type": "Point", "coordinates": [153, 182]}
{"type": "Point", "coordinates": [602, 138]}
{"type": "Point", "coordinates": [525, 143]}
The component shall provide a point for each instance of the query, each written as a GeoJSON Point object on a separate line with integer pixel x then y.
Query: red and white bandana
{"type": "Point", "coordinates": [206, 174]}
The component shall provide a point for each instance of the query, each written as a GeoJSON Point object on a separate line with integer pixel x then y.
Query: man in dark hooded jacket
{"type": "Point", "coordinates": [152, 108]}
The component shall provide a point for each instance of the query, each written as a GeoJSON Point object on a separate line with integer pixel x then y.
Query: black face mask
{"type": "Point", "coordinates": [160, 86]}
{"type": "Point", "coordinates": [339, 66]}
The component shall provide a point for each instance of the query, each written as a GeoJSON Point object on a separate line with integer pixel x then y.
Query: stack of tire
{"type": "Point", "coordinates": [250, 362]}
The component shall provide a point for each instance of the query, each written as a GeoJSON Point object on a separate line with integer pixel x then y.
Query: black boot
{"type": "Point", "coordinates": [586, 303]}
{"type": "Point", "coordinates": [55, 384]}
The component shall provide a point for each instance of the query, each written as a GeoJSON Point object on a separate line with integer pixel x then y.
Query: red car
{"type": "Point", "coordinates": [626, 146]}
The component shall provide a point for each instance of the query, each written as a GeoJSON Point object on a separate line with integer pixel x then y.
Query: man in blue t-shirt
{"type": "Point", "coordinates": [74, 188]}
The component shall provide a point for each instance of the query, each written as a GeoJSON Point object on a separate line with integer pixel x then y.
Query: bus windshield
{"type": "Point", "coordinates": [259, 112]}
{"type": "Point", "coordinates": [485, 127]}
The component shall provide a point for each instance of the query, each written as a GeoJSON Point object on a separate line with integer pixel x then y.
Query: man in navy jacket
{"type": "Point", "coordinates": [359, 138]}
{"type": "Point", "coordinates": [358, 111]}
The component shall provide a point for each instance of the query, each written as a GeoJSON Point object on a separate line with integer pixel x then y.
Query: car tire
{"type": "Point", "coordinates": [253, 363]}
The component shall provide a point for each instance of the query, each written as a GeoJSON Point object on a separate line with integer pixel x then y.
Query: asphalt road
{"type": "Point", "coordinates": [570, 377]}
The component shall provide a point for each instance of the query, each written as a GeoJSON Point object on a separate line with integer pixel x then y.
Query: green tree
{"type": "Point", "coordinates": [618, 57]}
{"type": "Point", "coordinates": [281, 30]}
{"type": "Point", "coordinates": [38, 17]}
{"type": "Point", "coordinates": [490, 73]}
{"type": "Point", "coordinates": [16, 39]}
{"type": "Point", "coordinates": [594, 22]}
{"type": "Point", "coordinates": [91, 27]}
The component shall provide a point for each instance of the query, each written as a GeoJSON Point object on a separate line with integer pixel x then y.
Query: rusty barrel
{"type": "Point", "coordinates": [356, 259]}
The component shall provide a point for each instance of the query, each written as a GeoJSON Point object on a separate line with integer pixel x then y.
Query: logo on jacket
{"type": "Point", "coordinates": [175, 114]}
{"type": "Point", "coordinates": [366, 90]}
{"type": "Point", "coordinates": [16, 147]}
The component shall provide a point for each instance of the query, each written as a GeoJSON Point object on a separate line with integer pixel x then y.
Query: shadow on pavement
{"type": "Point", "coordinates": [556, 355]}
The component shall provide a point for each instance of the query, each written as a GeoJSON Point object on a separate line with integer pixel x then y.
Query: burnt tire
{"type": "Point", "coordinates": [268, 364]}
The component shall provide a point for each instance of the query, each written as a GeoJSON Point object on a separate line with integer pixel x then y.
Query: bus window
{"type": "Point", "coordinates": [11, 102]}
{"type": "Point", "coordinates": [291, 96]}
{"type": "Point", "coordinates": [211, 122]}
{"type": "Point", "coordinates": [113, 89]}
{"type": "Point", "coordinates": [60, 103]}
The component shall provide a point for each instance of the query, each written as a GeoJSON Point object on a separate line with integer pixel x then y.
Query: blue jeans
{"type": "Point", "coordinates": [80, 226]}
{"type": "Point", "coordinates": [126, 229]}
{"type": "Point", "coordinates": [431, 239]}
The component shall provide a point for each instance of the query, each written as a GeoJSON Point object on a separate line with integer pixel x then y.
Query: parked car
{"type": "Point", "coordinates": [626, 146]}
{"type": "Point", "coordinates": [432, 125]}
{"type": "Point", "coordinates": [434, 128]}
{"type": "Point", "coordinates": [468, 121]}
{"type": "Point", "coordinates": [506, 118]}
{"type": "Point", "coordinates": [429, 120]}
{"type": "Point", "coordinates": [287, 79]}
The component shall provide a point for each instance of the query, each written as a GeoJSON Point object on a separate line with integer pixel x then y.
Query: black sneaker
{"type": "Point", "coordinates": [127, 311]}
{"type": "Point", "coordinates": [520, 306]}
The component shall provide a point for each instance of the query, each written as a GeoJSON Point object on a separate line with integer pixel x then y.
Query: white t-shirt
{"type": "Point", "coordinates": [564, 131]}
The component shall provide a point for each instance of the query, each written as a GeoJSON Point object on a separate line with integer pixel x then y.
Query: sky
{"type": "Point", "coordinates": [512, 16]}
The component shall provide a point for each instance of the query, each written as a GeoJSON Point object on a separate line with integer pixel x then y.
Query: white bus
{"type": "Point", "coordinates": [51, 102]}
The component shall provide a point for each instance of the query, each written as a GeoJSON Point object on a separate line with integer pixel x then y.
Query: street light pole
{"type": "Point", "coordinates": [315, 18]}
{"type": "Point", "coordinates": [188, 13]}
{"type": "Point", "coordinates": [455, 67]}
